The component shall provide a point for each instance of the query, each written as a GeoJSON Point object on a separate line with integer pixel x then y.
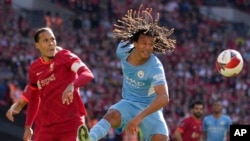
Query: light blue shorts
{"type": "Point", "coordinates": [150, 125]}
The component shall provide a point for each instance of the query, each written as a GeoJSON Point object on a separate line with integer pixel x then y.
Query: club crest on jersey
{"type": "Point", "coordinates": [140, 74]}
{"type": "Point", "coordinates": [51, 67]}
{"type": "Point", "coordinates": [39, 85]}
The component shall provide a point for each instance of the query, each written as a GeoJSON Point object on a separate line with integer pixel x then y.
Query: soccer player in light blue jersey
{"type": "Point", "coordinates": [216, 126]}
{"type": "Point", "coordinates": [145, 90]}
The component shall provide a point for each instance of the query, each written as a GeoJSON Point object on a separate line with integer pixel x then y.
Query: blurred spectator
{"type": "Point", "coordinates": [3, 93]}
{"type": "Point", "coordinates": [15, 91]}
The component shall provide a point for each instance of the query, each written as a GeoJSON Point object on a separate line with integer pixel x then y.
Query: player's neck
{"type": "Point", "coordinates": [217, 115]}
{"type": "Point", "coordinates": [196, 118]}
{"type": "Point", "coordinates": [47, 59]}
{"type": "Point", "coordinates": [135, 60]}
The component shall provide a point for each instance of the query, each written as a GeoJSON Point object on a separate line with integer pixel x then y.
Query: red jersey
{"type": "Point", "coordinates": [190, 129]}
{"type": "Point", "coordinates": [48, 80]}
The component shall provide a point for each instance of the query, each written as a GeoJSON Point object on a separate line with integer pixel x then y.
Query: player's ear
{"type": "Point", "coordinates": [36, 45]}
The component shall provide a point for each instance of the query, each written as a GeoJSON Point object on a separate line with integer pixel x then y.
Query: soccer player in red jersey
{"type": "Point", "coordinates": [54, 81]}
{"type": "Point", "coordinates": [190, 127]}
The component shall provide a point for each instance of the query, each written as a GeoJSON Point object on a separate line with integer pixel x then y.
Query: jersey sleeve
{"type": "Point", "coordinates": [32, 78]}
{"type": "Point", "coordinates": [182, 126]}
{"type": "Point", "coordinates": [158, 75]}
{"type": "Point", "coordinates": [123, 49]}
{"type": "Point", "coordinates": [69, 58]}
{"type": "Point", "coordinates": [73, 62]}
{"type": "Point", "coordinates": [204, 125]}
{"type": "Point", "coordinates": [26, 94]}
{"type": "Point", "coordinates": [33, 97]}
{"type": "Point", "coordinates": [33, 105]}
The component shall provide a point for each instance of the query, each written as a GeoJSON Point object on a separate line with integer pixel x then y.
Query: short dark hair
{"type": "Point", "coordinates": [39, 31]}
{"type": "Point", "coordinates": [197, 102]}
{"type": "Point", "coordinates": [216, 101]}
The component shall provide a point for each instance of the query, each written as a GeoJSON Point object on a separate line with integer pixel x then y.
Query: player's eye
{"type": "Point", "coordinates": [45, 41]}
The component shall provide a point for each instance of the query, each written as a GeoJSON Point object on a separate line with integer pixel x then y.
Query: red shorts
{"type": "Point", "coordinates": [67, 131]}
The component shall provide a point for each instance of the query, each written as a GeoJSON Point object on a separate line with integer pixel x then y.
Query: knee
{"type": "Point", "coordinates": [114, 118]}
{"type": "Point", "coordinates": [159, 137]}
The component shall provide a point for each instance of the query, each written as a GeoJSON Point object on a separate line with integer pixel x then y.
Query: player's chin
{"type": "Point", "coordinates": [51, 56]}
{"type": "Point", "coordinates": [145, 56]}
{"type": "Point", "coordinates": [198, 115]}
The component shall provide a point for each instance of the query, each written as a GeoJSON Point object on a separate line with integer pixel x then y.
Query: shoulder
{"type": "Point", "coordinates": [155, 60]}
{"type": "Point", "coordinates": [186, 119]}
{"type": "Point", "coordinates": [64, 53]}
{"type": "Point", "coordinates": [226, 117]}
{"type": "Point", "coordinates": [36, 63]}
{"type": "Point", "coordinates": [206, 118]}
{"type": "Point", "coordinates": [59, 48]}
{"type": "Point", "coordinates": [154, 65]}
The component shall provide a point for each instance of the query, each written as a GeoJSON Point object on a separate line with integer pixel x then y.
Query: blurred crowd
{"type": "Point", "coordinates": [190, 69]}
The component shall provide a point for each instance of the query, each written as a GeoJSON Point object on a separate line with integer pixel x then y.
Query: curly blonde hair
{"type": "Point", "coordinates": [142, 21]}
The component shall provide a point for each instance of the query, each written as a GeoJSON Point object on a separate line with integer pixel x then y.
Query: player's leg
{"type": "Point", "coordinates": [78, 132]}
{"type": "Point", "coordinates": [111, 119]}
{"type": "Point", "coordinates": [71, 135]}
{"type": "Point", "coordinates": [45, 136]}
{"type": "Point", "coordinates": [158, 131]}
{"type": "Point", "coordinates": [116, 117]}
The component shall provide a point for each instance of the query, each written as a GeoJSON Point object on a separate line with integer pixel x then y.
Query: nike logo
{"type": "Point", "coordinates": [38, 73]}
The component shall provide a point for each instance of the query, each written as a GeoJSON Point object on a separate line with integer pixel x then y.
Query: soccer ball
{"type": "Point", "coordinates": [229, 63]}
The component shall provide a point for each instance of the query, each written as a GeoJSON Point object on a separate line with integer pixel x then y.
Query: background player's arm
{"type": "Point", "coordinates": [15, 109]}
{"type": "Point", "coordinates": [201, 138]}
{"type": "Point", "coordinates": [204, 130]}
{"type": "Point", "coordinates": [177, 135]}
{"type": "Point", "coordinates": [204, 136]}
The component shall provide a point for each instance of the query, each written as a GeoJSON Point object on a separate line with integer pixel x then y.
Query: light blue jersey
{"type": "Point", "coordinates": [138, 92]}
{"type": "Point", "coordinates": [216, 129]}
{"type": "Point", "coordinates": [138, 81]}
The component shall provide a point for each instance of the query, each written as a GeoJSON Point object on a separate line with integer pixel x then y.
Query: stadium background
{"type": "Point", "coordinates": [203, 28]}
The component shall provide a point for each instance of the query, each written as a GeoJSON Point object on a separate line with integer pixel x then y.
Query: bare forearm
{"type": "Point", "coordinates": [159, 102]}
{"type": "Point", "coordinates": [20, 104]}
{"type": "Point", "coordinates": [204, 136]}
{"type": "Point", "coordinates": [177, 136]}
